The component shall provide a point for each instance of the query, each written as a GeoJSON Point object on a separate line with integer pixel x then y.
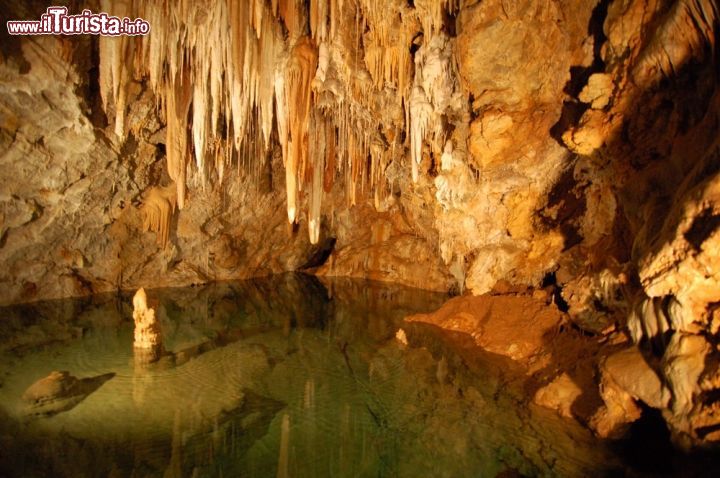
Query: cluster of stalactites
{"type": "Point", "coordinates": [223, 71]}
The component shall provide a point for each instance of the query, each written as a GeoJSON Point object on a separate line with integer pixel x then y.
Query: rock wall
{"type": "Point", "coordinates": [449, 145]}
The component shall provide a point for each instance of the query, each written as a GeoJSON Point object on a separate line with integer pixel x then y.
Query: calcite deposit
{"type": "Point", "coordinates": [147, 333]}
{"type": "Point", "coordinates": [567, 146]}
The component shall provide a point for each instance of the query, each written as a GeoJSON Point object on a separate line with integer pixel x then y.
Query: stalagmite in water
{"type": "Point", "coordinates": [147, 328]}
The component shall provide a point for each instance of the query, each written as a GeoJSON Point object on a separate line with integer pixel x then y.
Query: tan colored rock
{"type": "Point", "coordinates": [147, 328]}
{"type": "Point", "coordinates": [494, 134]}
{"type": "Point", "coordinates": [559, 395]}
{"type": "Point", "coordinates": [55, 386]}
{"type": "Point", "coordinates": [626, 378]}
{"type": "Point", "coordinates": [598, 91]}
{"type": "Point", "coordinates": [514, 326]}
{"type": "Point", "coordinates": [387, 251]}
{"type": "Point", "coordinates": [630, 371]}
{"type": "Point", "coordinates": [59, 392]}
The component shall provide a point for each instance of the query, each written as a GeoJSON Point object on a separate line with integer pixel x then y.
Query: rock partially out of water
{"type": "Point", "coordinates": [54, 386]}
{"type": "Point", "coordinates": [59, 392]}
{"type": "Point", "coordinates": [515, 326]}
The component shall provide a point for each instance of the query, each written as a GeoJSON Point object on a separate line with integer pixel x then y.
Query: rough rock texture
{"type": "Point", "coordinates": [626, 378]}
{"type": "Point", "coordinates": [559, 395]}
{"type": "Point", "coordinates": [59, 392]}
{"type": "Point", "coordinates": [517, 327]}
{"type": "Point", "coordinates": [448, 145]}
{"type": "Point", "coordinates": [147, 334]}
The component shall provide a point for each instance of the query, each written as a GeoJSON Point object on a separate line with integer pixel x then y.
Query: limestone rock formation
{"type": "Point", "coordinates": [147, 328]}
{"type": "Point", "coordinates": [626, 379]}
{"type": "Point", "coordinates": [559, 395]}
{"type": "Point", "coordinates": [59, 392]}
{"type": "Point", "coordinates": [517, 327]}
{"type": "Point", "coordinates": [447, 145]}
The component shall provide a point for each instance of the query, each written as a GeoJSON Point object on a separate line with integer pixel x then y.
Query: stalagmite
{"type": "Point", "coordinates": [147, 328]}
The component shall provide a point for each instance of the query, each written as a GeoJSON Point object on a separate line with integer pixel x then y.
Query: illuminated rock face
{"type": "Point", "coordinates": [440, 144]}
{"type": "Point", "coordinates": [147, 328]}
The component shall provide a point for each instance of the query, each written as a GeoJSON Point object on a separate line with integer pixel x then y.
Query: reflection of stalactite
{"type": "Point", "coordinates": [284, 456]}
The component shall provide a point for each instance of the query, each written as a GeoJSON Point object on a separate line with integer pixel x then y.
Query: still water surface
{"type": "Point", "coordinates": [278, 377]}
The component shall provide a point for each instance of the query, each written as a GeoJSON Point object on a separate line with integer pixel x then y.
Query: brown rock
{"type": "Point", "coordinates": [559, 395]}
{"type": "Point", "coordinates": [626, 379]}
{"type": "Point", "coordinates": [516, 327]}
{"type": "Point", "coordinates": [57, 385]}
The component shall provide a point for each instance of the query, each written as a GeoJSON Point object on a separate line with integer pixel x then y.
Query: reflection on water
{"type": "Point", "coordinates": [284, 376]}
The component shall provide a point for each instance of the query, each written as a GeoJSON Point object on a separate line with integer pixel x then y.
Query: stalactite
{"type": "Point", "coordinates": [157, 210]}
{"type": "Point", "coordinates": [420, 111]}
{"type": "Point", "coordinates": [116, 55]}
{"type": "Point", "coordinates": [386, 44]}
{"type": "Point", "coordinates": [292, 11]}
{"type": "Point", "coordinates": [231, 63]}
{"type": "Point", "coordinates": [178, 104]}
{"type": "Point", "coordinates": [317, 154]}
{"type": "Point", "coordinates": [319, 13]}
{"type": "Point", "coordinates": [329, 173]}
{"type": "Point", "coordinates": [299, 73]}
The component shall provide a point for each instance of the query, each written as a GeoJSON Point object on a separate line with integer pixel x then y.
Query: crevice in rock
{"type": "Point", "coordinates": [320, 255]}
{"type": "Point", "coordinates": [646, 447]}
{"type": "Point", "coordinates": [573, 109]}
{"type": "Point", "coordinates": [702, 227]}
{"type": "Point", "coordinates": [565, 207]}
{"type": "Point", "coordinates": [550, 282]}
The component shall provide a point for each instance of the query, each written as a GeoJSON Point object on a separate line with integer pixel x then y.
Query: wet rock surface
{"type": "Point", "coordinates": [59, 392]}
{"type": "Point", "coordinates": [576, 150]}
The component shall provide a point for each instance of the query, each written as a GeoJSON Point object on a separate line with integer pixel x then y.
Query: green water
{"type": "Point", "coordinates": [279, 377]}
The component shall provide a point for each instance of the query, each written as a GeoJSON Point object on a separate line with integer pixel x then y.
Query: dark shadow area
{"type": "Point", "coordinates": [567, 202]}
{"type": "Point", "coordinates": [573, 109]}
{"type": "Point", "coordinates": [647, 450]}
{"type": "Point", "coordinates": [320, 254]}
